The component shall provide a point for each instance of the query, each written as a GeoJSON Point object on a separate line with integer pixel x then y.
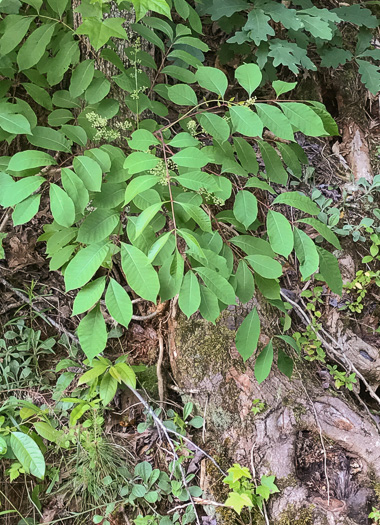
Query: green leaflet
{"type": "Point", "coordinates": [75, 189]}
{"type": "Point", "coordinates": [15, 192]}
{"type": "Point", "coordinates": [217, 284]}
{"type": "Point", "coordinates": [92, 333]}
{"type": "Point", "coordinates": [285, 363]}
{"type": "Point", "coordinates": [139, 272]}
{"type": "Point", "coordinates": [273, 165]}
{"type": "Point", "coordinates": [100, 31]}
{"type": "Point", "coordinates": [158, 246]}
{"type": "Point", "coordinates": [213, 261]}
{"type": "Point", "coordinates": [265, 266]}
{"type": "Point", "coordinates": [299, 201]}
{"type": "Point", "coordinates": [183, 95]}
{"type": "Point", "coordinates": [58, 6]}
{"type": "Point", "coordinates": [195, 180]}
{"type": "Point", "coordinates": [89, 295]}
{"type": "Point", "coordinates": [145, 218]}
{"type": "Point", "coordinates": [75, 133]}
{"type": "Point", "coordinates": [198, 215]}
{"type": "Point", "coordinates": [170, 276]}
{"type": "Point", "coordinates": [216, 126]}
{"type": "Point", "coordinates": [24, 211]}
{"type": "Point", "coordinates": [108, 388]}
{"type": "Point", "coordinates": [253, 245]}
{"type": "Point", "coordinates": [81, 78]}
{"type": "Point", "coordinates": [179, 73]}
{"type": "Point", "coordinates": [61, 257]}
{"type": "Point", "coordinates": [264, 363]}
{"type": "Point", "coordinates": [370, 75]}
{"type": "Point", "coordinates": [249, 77]}
{"type": "Point", "coordinates": [62, 207]}
{"type": "Point", "coordinates": [140, 161]}
{"type": "Point", "coordinates": [83, 266]}
{"type": "Point", "coordinates": [273, 119]}
{"type": "Point", "coordinates": [290, 341]}
{"type": "Point", "coordinates": [16, 124]}
{"type": "Point", "coordinates": [30, 159]}
{"type": "Point", "coordinates": [34, 47]}
{"type": "Point", "coordinates": [227, 8]}
{"type": "Point", "coordinates": [89, 172]}
{"type": "Point", "coordinates": [190, 158]}
{"type": "Point", "coordinates": [238, 501]}
{"type": "Point", "coordinates": [280, 233]}
{"type": "Point", "coordinates": [282, 87]}
{"type": "Point", "coordinates": [212, 79]}
{"type": "Point", "coordinates": [189, 294]}
{"type": "Point", "coordinates": [192, 243]}
{"type": "Point", "coordinates": [93, 373]}
{"type": "Point", "coordinates": [101, 157]}
{"type": "Point", "coordinates": [46, 431]}
{"type": "Point", "coordinates": [329, 268]}
{"type": "Point", "coordinates": [209, 307]}
{"type": "Point", "coordinates": [118, 303]}
{"type": "Point", "coordinates": [246, 155]}
{"type": "Point", "coordinates": [59, 239]}
{"type": "Point", "coordinates": [161, 25]}
{"type": "Point", "coordinates": [97, 226]}
{"type": "Point", "coordinates": [248, 334]}
{"type": "Point", "coordinates": [16, 27]}
{"type": "Point", "coordinates": [306, 252]}
{"type": "Point", "coordinates": [255, 182]}
{"type": "Point", "coordinates": [139, 185]}
{"type": "Point", "coordinates": [146, 198]}
{"type": "Point", "coordinates": [183, 140]}
{"type": "Point", "coordinates": [246, 121]}
{"type": "Point", "coordinates": [48, 138]}
{"type": "Point", "coordinates": [245, 207]}
{"type": "Point", "coordinates": [303, 118]}
{"type": "Point", "coordinates": [142, 139]}
{"type": "Point", "coordinates": [59, 117]}
{"type": "Point", "coordinates": [97, 90]}
{"type": "Point", "coordinates": [323, 230]}
{"type": "Point", "coordinates": [39, 95]}
{"type": "Point", "coordinates": [28, 454]}
{"type": "Point", "coordinates": [290, 158]}
{"type": "Point", "coordinates": [125, 373]}
{"type": "Point", "coordinates": [143, 6]}
{"type": "Point", "coordinates": [245, 283]}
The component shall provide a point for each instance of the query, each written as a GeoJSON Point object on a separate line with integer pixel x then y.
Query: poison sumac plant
{"type": "Point", "coordinates": [155, 198]}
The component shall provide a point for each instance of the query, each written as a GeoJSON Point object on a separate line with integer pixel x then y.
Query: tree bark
{"type": "Point", "coordinates": [322, 448]}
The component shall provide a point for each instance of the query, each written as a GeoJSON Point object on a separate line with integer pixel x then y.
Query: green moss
{"type": "Point", "coordinates": [376, 488]}
{"type": "Point", "coordinates": [287, 481]}
{"type": "Point", "coordinates": [204, 357]}
{"type": "Point", "coordinates": [296, 516]}
{"type": "Point", "coordinates": [148, 380]}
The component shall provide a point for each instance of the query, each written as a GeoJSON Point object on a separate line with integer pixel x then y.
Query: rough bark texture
{"type": "Point", "coordinates": [284, 439]}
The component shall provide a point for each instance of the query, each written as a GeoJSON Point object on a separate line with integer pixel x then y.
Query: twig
{"type": "Point", "coordinates": [204, 421]}
{"type": "Point", "coordinates": [340, 356]}
{"type": "Point", "coordinates": [45, 317]}
{"type": "Point", "coordinates": [165, 432]}
{"type": "Point", "coordinates": [10, 306]}
{"type": "Point", "coordinates": [144, 317]}
{"type": "Point", "coordinates": [199, 501]}
{"type": "Point", "coordinates": [160, 424]}
{"type": "Point", "coordinates": [160, 379]}
{"type": "Point", "coordinates": [5, 220]}
{"type": "Point", "coordinates": [137, 317]}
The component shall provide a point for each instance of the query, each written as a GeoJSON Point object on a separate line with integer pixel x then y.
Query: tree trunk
{"type": "Point", "coordinates": [323, 450]}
